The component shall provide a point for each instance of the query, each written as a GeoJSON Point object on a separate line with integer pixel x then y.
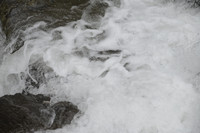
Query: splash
{"type": "Point", "coordinates": [135, 70]}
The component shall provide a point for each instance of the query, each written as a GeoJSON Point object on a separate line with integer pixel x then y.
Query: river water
{"type": "Point", "coordinates": [137, 71]}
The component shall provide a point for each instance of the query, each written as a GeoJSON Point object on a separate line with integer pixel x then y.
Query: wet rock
{"type": "Point", "coordinates": [21, 113]}
{"type": "Point", "coordinates": [39, 73]}
{"type": "Point", "coordinates": [197, 2]}
{"type": "Point", "coordinates": [94, 12]}
{"type": "Point", "coordinates": [29, 113]}
{"type": "Point", "coordinates": [65, 112]}
{"type": "Point", "coordinates": [109, 52]}
{"type": "Point", "coordinates": [17, 15]}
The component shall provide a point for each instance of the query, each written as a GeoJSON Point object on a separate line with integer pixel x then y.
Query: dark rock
{"type": "Point", "coordinates": [197, 2]}
{"type": "Point", "coordinates": [65, 112]}
{"type": "Point", "coordinates": [21, 113]}
{"type": "Point", "coordinates": [28, 113]}
{"type": "Point", "coordinates": [109, 52]}
{"type": "Point", "coordinates": [17, 15]}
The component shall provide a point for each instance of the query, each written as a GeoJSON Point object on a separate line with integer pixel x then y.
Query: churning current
{"type": "Point", "coordinates": [134, 70]}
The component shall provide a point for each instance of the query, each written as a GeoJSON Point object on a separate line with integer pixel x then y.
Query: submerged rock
{"type": "Point", "coordinates": [39, 73]}
{"type": "Point", "coordinates": [29, 113]}
{"type": "Point", "coordinates": [95, 11]}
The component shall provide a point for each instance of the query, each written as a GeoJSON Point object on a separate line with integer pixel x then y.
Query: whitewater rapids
{"type": "Point", "coordinates": [136, 72]}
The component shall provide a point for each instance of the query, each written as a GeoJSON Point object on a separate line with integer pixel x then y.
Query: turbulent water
{"type": "Point", "coordinates": [136, 71]}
